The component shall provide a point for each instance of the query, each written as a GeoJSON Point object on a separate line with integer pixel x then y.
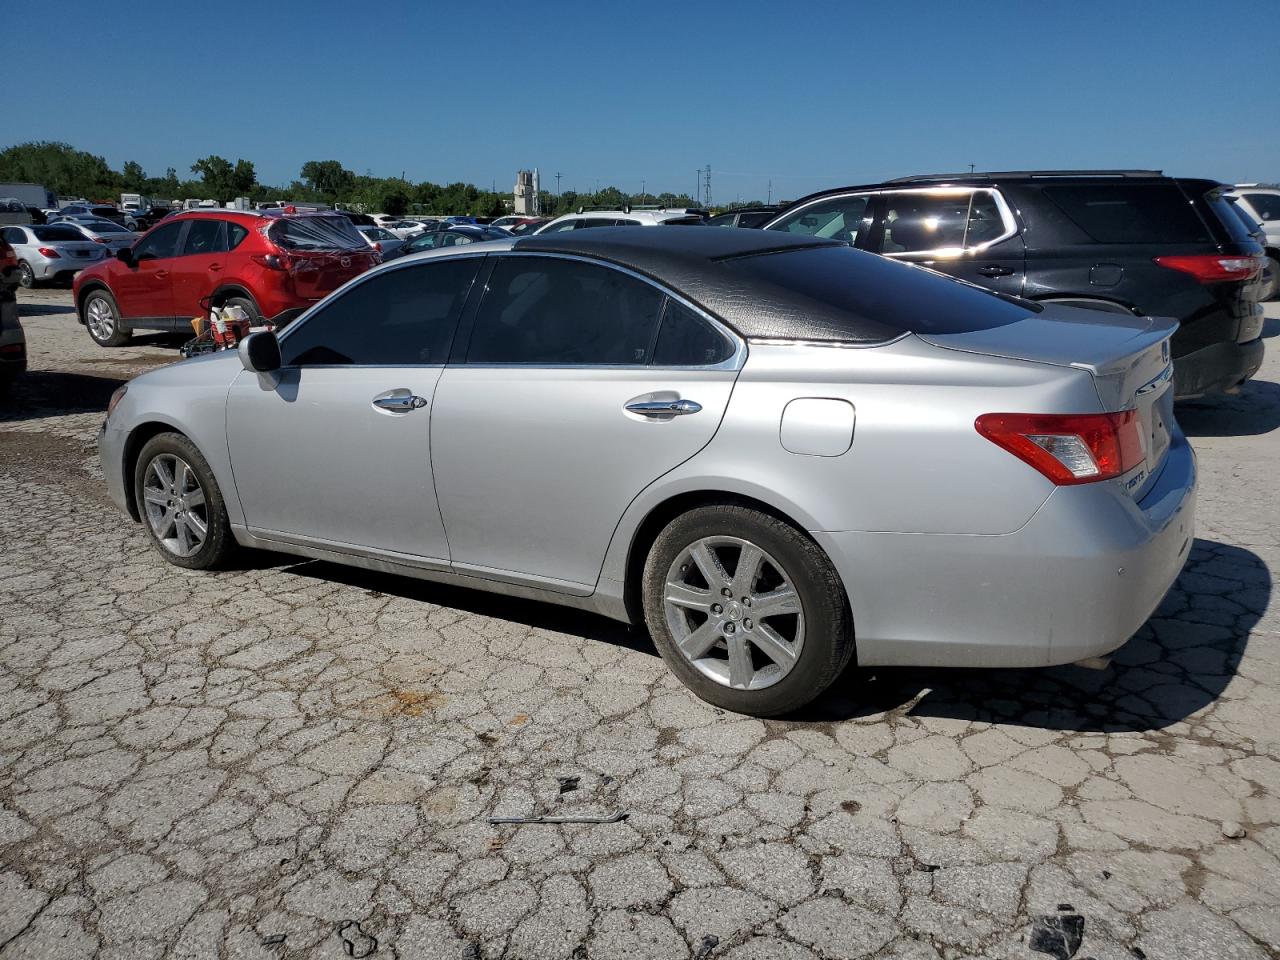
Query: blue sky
{"type": "Point", "coordinates": [805, 94]}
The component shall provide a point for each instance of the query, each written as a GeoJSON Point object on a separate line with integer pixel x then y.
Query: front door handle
{"type": "Point", "coordinates": [400, 402]}
{"type": "Point", "coordinates": [162, 274]}
{"type": "Point", "coordinates": [995, 270]}
{"type": "Point", "coordinates": [664, 408]}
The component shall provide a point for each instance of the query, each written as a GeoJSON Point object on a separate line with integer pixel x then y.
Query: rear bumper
{"type": "Point", "coordinates": [1076, 581]}
{"type": "Point", "coordinates": [1216, 368]}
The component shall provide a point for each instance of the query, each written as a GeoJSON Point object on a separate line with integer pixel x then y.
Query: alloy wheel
{"type": "Point", "coordinates": [100, 318]}
{"type": "Point", "coordinates": [26, 276]}
{"type": "Point", "coordinates": [175, 505]}
{"type": "Point", "coordinates": [734, 612]}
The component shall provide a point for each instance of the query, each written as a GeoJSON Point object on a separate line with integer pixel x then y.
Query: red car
{"type": "Point", "coordinates": [272, 263]}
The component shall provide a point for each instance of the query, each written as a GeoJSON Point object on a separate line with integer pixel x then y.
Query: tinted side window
{"type": "Point", "coordinates": [1130, 213]}
{"type": "Point", "coordinates": [547, 310]}
{"type": "Point", "coordinates": [397, 318]}
{"type": "Point", "coordinates": [159, 243]}
{"type": "Point", "coordinates": [13, 235]}
{"type": "Point", "coordinates": [205, 236]}
{"type": "Point", "coordinates": [561, 227]}
{"type": "Point", "coordinates": [1266, 204]}
{"type": "Point", "coordinates": [687, 340]}
{"type": "Point", "coordinates": [985, 220]}
{"type": "Point", "coordinates": [924, 221]}
{"type": "Point", "coordinates": [235, 235]}
{"type": "Point", "coordinates": [837, 218]}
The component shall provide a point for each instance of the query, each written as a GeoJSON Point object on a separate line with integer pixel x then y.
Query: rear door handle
{"type": "Point", "coordinates": [399, 401]}
{"type": "Point", "coordinates": [215, 267]}
{"type": "Point", "coordinates": [664, 408]}
{"type": "Point", "coordinates": [995, 270]}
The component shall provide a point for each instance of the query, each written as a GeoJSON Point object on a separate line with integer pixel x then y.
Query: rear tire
{"type": "Point", "coordinates": [26, 276]}
{"type": "Point", "coordinates": [248, 306]}
{"type": "Point", "coordinates": [102, 320]}
{"type": "Point", "coordinates": [780, 635]}
{"type": "Point", "coordinates": [181, 505]}
{"type": "Point", "coordinates": [1271, 279]}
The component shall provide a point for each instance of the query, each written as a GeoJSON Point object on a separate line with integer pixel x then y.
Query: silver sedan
{"type": "Point", "coordinates": [106, 232]}
{"type": "Point", "coordinates": [778, 452]}
{"type": "Point", "coordinates": [56, 251]}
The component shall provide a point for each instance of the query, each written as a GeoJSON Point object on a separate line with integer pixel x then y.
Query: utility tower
{"type": "Point", "coordinates": [707, 183]}
{"type": "Point", "coordinates": [558, 184]}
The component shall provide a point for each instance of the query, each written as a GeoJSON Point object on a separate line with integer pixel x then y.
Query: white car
{"type": "Point", "coordinates": [404, 229]}
{"type": "Point", "coordinates": [384, 241]}
{"type": "Point", "coordinates": [1262, 202]}
{"type": "Point", "coordinates": [626, 217]}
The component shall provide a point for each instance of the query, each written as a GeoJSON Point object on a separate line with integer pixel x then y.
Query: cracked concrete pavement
{"type": "Point", "coordinates": [236, 764]}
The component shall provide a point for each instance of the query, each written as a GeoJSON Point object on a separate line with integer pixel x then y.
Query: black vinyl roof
{"type": "Point", "coordinates": [771, 285]}
{"type": "Point", "coordinates": [693, 260]}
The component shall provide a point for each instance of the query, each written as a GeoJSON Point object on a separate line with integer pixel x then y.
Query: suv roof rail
{"type": "Point", "coordinates": [625, 208]}
{"type": "Point", "coordinates": [1026, 175]}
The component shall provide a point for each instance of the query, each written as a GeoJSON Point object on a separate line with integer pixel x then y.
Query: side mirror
{"type": "Point", "coordinates": [260, 352]}
{"type": "Point", "coordinates": [125, 256]}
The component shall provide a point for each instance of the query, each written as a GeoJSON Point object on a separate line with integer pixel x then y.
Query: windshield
{"type": "Point", "coordinates": [316, 233]}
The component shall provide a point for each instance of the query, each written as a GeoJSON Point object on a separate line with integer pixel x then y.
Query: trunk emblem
{"type": "Point", "coordinates": [346, 262]}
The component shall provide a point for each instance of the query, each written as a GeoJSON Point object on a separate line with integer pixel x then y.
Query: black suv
{"type": "Point", "coordinates": [1124, 241]}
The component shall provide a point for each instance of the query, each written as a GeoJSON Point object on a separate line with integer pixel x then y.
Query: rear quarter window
{"type": "Point", "coordinates": [872, 297]}
{"type": "Point", "coordinates": [1129, 213]}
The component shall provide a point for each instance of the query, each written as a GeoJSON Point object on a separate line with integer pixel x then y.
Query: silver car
{"type": "Point", "coordinates": [111, 235]}
{"type": "Point", "coordinates": [55, 251]}
{"type": "Point", "coordinates": [778, 451]}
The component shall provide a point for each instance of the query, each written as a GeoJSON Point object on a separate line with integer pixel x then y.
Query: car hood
{"type": "Point", "coordinates": [205, 370]}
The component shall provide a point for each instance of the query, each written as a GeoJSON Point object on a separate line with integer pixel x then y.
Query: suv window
{"type": "Point", "coordinates": [401, 317]}
{"type": "Point", "coordinates": [235, 235]}
{"type": "Point", "coordinates": [986, 223]}
{"type": "Point", "coordinates": [205, 236]}
{"type": "Point", "coordinates": [1129, 213]}
{"type": "Point", "coordinates": [1267, 204]}
{"type": "Point", "coordinates": [548, 310]}
{"type": "Point", "coordinates": [915, 222]}
{"type": "Point", "coordinates": [563, 226]}
{"type": "Point", "coordinates": [685, 339]}
{"type": "Point", "coordinates": [837, 218]}
{"type": "Point", "coordinates": [160, 243]}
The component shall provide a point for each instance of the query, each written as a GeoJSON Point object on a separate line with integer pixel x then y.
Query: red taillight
{"type": "Point", "coordinates": [377, 246]}
{"type": "Point", "coordinates": [1069, 448]}
{"type": "Point", "coordinates": [49, 252]}
{"type": "Point", "coordinates": [1212, 267]}
{"type": "Point", "coordinates": [274, 261]}
{"type": "Point", "coordinates": [99, 240]}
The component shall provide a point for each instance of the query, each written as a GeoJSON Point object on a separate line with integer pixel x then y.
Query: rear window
{"type": "Point", "coordinates": [56, 233]}
{"type": "Point", "coordinates": [316, 233]}
{"type": "Point", "coordinates": [1267, 204]}
{"type": "Point", "coordinates": [873, 297]}
{"type": "Point", "coordinates": [106, 226]}
{"type": "Point", "coordinates": [1225, 211]}
{"type": "Point", "coordinates": [1130, 213]}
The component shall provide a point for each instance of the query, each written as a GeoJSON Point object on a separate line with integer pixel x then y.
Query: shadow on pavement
{"type": "Point", "coordinates": [39, 309]}
{"type": "Point", "coordinates": [40, 393]}
{"type": "Point", "coordinates": [531, 613]}
{"type": "Point", "coordinates": [1178, 663]}
{"type": "Point", "coordinates": [1250, 413]}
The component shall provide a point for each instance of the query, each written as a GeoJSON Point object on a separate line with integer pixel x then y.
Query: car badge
{"type": "Point", "coordinates": [346, 262]}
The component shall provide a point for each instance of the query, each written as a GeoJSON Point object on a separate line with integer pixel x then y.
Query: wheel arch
{"type": "Point", "coordinates": [661, 513]}
{"type": "Point", "coordinates": [83, 294]}
{"type": "Point", "coordinates": [133, 445]}
{"type": "Point", "coordinates": [1089, 302]}
{"type": "Point", "coordinates": [226, 291]}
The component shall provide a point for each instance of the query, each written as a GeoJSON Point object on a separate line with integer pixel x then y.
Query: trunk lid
{"type": "Point", "coordinates": [1128, 358]}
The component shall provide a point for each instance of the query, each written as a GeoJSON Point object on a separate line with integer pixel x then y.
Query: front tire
{"type": "Point", "coordinates": [102, 320]}
{"type": "Point", "coordinates": [747, 611]}
{"type": "Point", "coordinates": [181, 505]}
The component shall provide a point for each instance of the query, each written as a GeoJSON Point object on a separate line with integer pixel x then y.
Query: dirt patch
{"type": "Point", "coordinates": [50, 459]}
{"type": "Point", "coordinates": [407, 703]}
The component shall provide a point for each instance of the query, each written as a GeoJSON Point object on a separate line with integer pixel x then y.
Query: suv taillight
{"type": "Point", "coordinates": [1213, 267]}
{"type": "Point", "coordinates": [274, 261]}
{"type": "Point", "coordinates": [1069, 448]}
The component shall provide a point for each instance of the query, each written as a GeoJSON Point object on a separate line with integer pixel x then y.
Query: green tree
{"type": "Point", "coordinates": [132, 176]}
{"type": "Point", "coordinates": [328, 178]}
{"type": "Point", "coordinates": [243, 178]}
{"type": "Point", "coordinates": [217, 173]}
{"type": "Point", "coordinates": [61, 168]}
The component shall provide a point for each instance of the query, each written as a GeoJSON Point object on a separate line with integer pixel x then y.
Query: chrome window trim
{"type": "Point", "coordinates": [936, 253]}
{"type": "Point", "coordinates": [734, 362]}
